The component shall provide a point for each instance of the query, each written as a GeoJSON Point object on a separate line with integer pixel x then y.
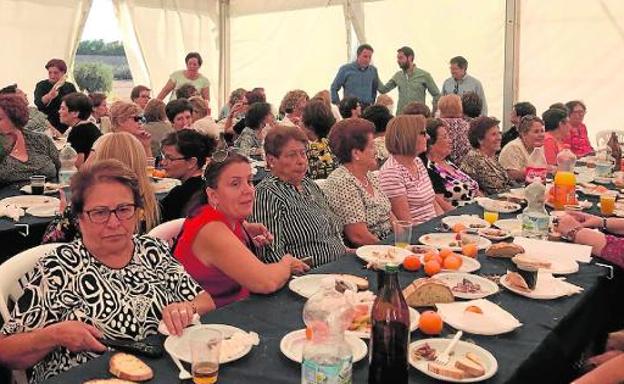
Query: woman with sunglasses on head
{"type": "Point", "coordinates": [215, 245]}
{"type": "Point", "coordinates": [128, 117]}
{"type": "Point", "coordinates": [184, 155]}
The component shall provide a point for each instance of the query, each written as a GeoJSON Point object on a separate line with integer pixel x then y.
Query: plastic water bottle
{"type": "Point", "coordinates": [327, 358]}
{"type": "Point", "coordinates": [537, 166]}
{"type": "Point", "coordinates": [68, 157]}
{"type": "Point", "coordinates": [535, 219]}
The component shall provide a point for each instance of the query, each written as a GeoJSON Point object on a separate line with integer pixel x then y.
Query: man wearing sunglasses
{"type": "Point", "coordinates": [75, 112]}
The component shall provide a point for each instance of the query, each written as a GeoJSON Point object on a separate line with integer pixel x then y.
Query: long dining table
{"type": "Point", "coordinates": [554, 334]}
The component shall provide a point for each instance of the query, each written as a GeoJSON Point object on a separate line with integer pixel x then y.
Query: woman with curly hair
{"type": "Point", "coordinates": [291, 107]}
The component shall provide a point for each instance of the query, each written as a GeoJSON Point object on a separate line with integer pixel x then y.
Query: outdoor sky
{"type": "Point", "coordinates": [101, 23]}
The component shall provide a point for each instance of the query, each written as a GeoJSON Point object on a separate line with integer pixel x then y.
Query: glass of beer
{"type": "Point", "coordinates": [402, 233]}
{"type": "Point", "coordinates": [150, 166]}
{"type": "Point", "coordinates": [37, 184]}
{"type": "Point", "coordinates": [205, 350]}
{"type": "Point", "coordinates": [607, 203]}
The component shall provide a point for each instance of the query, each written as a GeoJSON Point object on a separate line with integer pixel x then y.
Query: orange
{"type": "Point", "coordinates": [444, 252]}
{"type": "Point", "coordinates": [411, 263]}
{"type": "Point", "coordinates": [431, 255]}
{"type": "Point", "coordinates": [458, 227]}
{"type": "Point", "coordinates": [473, 309]}
{"type": "Point", "coordinates": [432, 267]}
{"type": "Point", "coordinates": [452, 262]}
{"type": "Point", "coordinates": [470, 250]}
{"type": "Point", "coordinates": [159, 173]}
{"type": "Point", "coordinates": [430, 323]}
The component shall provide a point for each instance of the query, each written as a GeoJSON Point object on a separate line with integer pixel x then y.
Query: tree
{"type": "Point", "coordinates": [94, 77]}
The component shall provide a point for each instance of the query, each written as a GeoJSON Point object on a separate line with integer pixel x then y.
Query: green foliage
{"type": "Point", "coordinates": [94, 77]}
{"type": "Point", "coordinates": [99, 47]}
{"type": "Point", "coordinates": [122, 72]}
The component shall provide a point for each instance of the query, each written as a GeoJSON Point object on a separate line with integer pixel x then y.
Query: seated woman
{"type": "Point", "coordinates": [453, 187]}
{"type": "Point", "coordinates": [24, 153]}
{"type": "Point", "coordinates": [480, 163]}
{"type": "Point", "coordinates": [37, 120]}
{"type": "Point", "coordinates": [76, 111]}
{"type": "Point", "coordinates": [557, 135]}
{"type": "Point", "coordinates": [353, 192]}
{"type": "Point", "coordinates": [180, 113]}
{"type": "Point", "coordinates": [214, 245]}
{"type": "Point", "coordinates": [452, 114]}
{"type": "Point", "coordinates": [403, 176]}
{"type": "Point", "coordinates": [202, 121]}
{"type": "Point", "coordinates": [184, 155]}
{"type": "Point", "coordinates": [317, 121]}
{"type": "Point", "coordinates": [291, 107]}
{"type": "Point", "coordinates": [380, 116]}
{"type": "Point", "coordinates": [579, 142]}
{"type": "Point", "coordinates": [126, 148]}
{"type": "Point", "coordinates": [292, 206]}
{"type": "Point", "coordinates": [156, 123]}
{"type": "Point", "coordinates": [257, 118]}
{"type": "Point", "coordinates": [514, 156]}
{"type": "Point", "coordinates": [128, 117]}
{"type": "Point", "coordinates": [109, 284]}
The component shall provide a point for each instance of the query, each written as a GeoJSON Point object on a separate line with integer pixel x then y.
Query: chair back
{"type": "Point", "coordinates": [167, 231]}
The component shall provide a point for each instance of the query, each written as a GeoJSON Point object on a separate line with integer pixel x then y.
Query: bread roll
{"type": "Point", "coordinates": [446, 370]}
{"type": "Point", "coordinates": [507, 250]}
{"type": "Point", "coordinates": [470, 368]}
{"type": "Point", "coordinates": [426, 292]}
{"type": "Point", "coordinates": [129, 367]}
{"type": "Point", "coordinates": [360, 282]}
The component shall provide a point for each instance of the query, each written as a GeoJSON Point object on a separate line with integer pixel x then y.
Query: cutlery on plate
{"type": "Point", "coordinates": [443, 358]}
{"type": "Point", "coordinates": [184, 374]}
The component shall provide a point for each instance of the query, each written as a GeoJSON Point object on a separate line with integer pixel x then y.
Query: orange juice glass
{"type": "Point", "coordinates": [490, 216]}
{"type": "Point", "coordinates": [565, 189]}
{"type": "Point", "coordinates": [607, 203]}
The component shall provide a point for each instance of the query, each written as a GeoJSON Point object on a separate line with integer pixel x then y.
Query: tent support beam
{"type": "Point", "coordinates": [512, 67]}
{"type": "Point", "coordinates": [224, 52]}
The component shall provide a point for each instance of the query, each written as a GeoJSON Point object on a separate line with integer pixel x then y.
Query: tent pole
{"type": "Point", "coordinates": [512, 67]}
{"type": "Point", "coordinates": [224, 52]}
{"type": "Point", "coordinates": [348, 25]}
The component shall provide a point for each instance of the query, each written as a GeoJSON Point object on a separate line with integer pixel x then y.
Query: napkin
{"type": "Point", "coordinates": [493, 321]}
{"type": "Point", "coordinates": [549, 287]}
{"type": "Point", "coordinates": [11, 211]}
{"type": "Point", "coordinates": [555, 251]}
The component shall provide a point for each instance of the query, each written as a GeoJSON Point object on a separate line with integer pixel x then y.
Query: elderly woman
{"type": "Point", "coordinates": [452, 114]}
{"type": "Point", "coordinates": [291, 107]}
{"type": "Point", "coordinates": [471, 105]}
{"type": "Point", "coordinates": [216, 244]}
{"type": "Point", "coordinates": [202, 121]}
{"type": "Point", "coordinates": [108, 285]}
{"type": "Point", "coordinates": [180, 113]}
{"type": "Point", "coordinates": [292, 206]}
{"type": "Point", "coordinates": [126, 148]}
{"type": "Point", "coordinates": [259, 116]}
{"type": "Point", "coordinates": [380, 116]}
{"type": "Point", "coordinates": [128, 117]}
{"type": "Point", "coordinates": [403, 176]}
{"type": "Point", "coordinates": [514, 157]}
{"type": "Point", "coordinates": [76, 111]}
{"type": "Point", "coordinates": [453, 187]}
{"type": "Point", "coordinates": [100, 115]}
{"type": "Point", "coordinates": [557, 135]}
{"type": "Point", "coordinates": [25, 153]}
{"type": "Point", "coordinates": [317, 121]}
{"type": "Point", "coordinates": [236, 96]}
{"type": "Point", "coordinates": [480, 163]}
{"type": "Point", "coordinates": [189, 76]}
{"type": "Point", "coordinates": [184, 155]}
{"type": "Point", "coordinates": [353, 192]}
{"type": "Point", "coordinates": [325, 96]}
{"type": "Point", "coordinates": [579, 142]}
{"type": "Point", "coordinates": [156, 123]}
{"type": "Point", "coordinates": [50, 92]}
{"type": "Point", "coordinates": [37, 120]}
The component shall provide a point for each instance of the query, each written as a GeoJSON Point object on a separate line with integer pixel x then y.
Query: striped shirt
{"type": "Point", "coordinates": [301, 222]}
{"type": "Point", "coordinates": [397, 180]}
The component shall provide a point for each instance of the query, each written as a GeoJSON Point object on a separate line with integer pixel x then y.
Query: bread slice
{"type": "Point", "coordinates": [362, 283]}
{"type": "Point", "coordinates": [523, 259]}
{"type": "Point", "coordinates": [426, 292]}
{"type": "Point", "coordinates": [470, 368]}
{"type": "Point", "coordinates": [507, 250]}
{"type": "Point", "coordinates": [475, 358]}
{"type": "Point", "coordinates": [515, 280]}
{"type": "Point", "coordinates": [129, 367]}
{"type": "Point", "coordinates": [446, 370]}
{"type": "Point", "coordinates": [109, 381]}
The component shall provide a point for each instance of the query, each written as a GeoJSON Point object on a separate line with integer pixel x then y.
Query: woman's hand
{"type": "Point", "coordinates": [260, 235]}
{"type": "Point", "coordinates": [297, 267]}
{"type": "Point", "coordinates": [77, 336]}
{"type": "Point", "coordinates": [566, 223]}
{"type": "Point", "coordinates": [586, 220]}
{"type": "Point", "coordinates": [177, 316]}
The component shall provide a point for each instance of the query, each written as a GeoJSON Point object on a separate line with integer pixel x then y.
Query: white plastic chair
{"type": "Point", "coordinates": [13, 272]}
{"type": "Point", "coordinates": [602, 138]}
{"type": "Point", "coordinates": [167, 231]}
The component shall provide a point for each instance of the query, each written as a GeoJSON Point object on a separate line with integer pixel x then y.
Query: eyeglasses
{"type": "Point", "coordinates": [139, 119]}
{"type": "Point", "coordinates": [220, 155]}
{"type": "Point", "coordinates": [101, 215]}
{"type": "Point", "coordinates": [169, 158]}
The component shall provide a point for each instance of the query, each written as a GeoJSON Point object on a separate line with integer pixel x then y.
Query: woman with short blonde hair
{"type": "Point", "coordinates": [451, 113]}
{"type": "Point", "coordinates": [128, 117]}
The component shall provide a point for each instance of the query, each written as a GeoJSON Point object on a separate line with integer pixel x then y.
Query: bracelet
{"type": "Point", "coordinates": [194, 306]}
{"type": "Point", "coordinates": [571, 235]}
{"type": "Point", "coordinates": [604, 223]}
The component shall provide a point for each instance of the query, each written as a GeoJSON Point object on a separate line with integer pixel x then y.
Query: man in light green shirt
{"type": "Point", "coordinates": [412, 81]}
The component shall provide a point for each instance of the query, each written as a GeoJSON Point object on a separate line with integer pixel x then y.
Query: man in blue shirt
{"type": "Point", "coordinates": [460, 82]}
{"type": "Point", "coordinates": [359, 78]}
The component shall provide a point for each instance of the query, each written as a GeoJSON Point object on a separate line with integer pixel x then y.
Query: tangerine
{"type": "Point", "coordinates": [452, 262]}
{"type": "Point", "coordinates": [411, 263]}
{"type": "Point", "coordinates": [458, 227]}
{"type": "Point", "coordinates": [473, 309]}
{"type": "Point", "coordinates": [444, 252]}
{"type": "Point", "coordinates": [432, 267]}
{"type": "Point", "coordinates": [430, 323]}
{"type": "Point", "coordinates": [470, 250]}
{"type": "Point", "coordinates": [431, 255]}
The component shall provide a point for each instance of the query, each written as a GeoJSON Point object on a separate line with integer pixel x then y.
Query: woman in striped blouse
{"type": "Point", "coordinates": [292, 206]}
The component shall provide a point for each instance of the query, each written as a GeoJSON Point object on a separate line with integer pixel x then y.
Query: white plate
{"type": "Point", "coordinates": [451, 279]}
{"type": "Point", "coordinates": [442, 240]}
{"type": "Point", "coordinates": [514, 226]}
{"type": "Point", "coordinates": [493, 321]}
{"type": "Point", "coordinates": [45, 210]}
{"type": "Point", "coordinates": [370, 253]}
{"type": "Point", "coordinates": [497, 205]}
{"type": "Point", "coordinates": [468, 265]}
{"type": "Point", "coordinates": [547, 287]}
{"type": "Point", "coordinates": [30, 200]}
{"type": "Point", "coordinates": [414, 317]}
{"type": "Point", "coordinates": [179, 346]}
{"type": "Point", "coordinates": [467, 220]}
{"type": "Point", "coordinates": [49, 189]}
{"type": "Point", "coordinates": [308, 285]}
{"type": "Point", "coordinates": [603, 180]}
{"type": "Point", "coordinates": [292, 346]}
{"type": "Point", "coordinates": [164, 184]}
{"type": "Point", "coordinates": [484, 233]}
{"type": "Point", "coordinates": [461, 348]}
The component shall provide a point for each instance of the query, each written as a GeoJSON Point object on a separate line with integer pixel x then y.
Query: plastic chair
{"type": "Point", "coordinates": [602, 138]}
{"type": "Point", "coordinates": [13, 272]}
{"type": "Point", "coordinates": [167, 231]}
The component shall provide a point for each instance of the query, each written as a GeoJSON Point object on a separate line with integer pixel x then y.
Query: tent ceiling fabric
{"type": "Point", "coordinates": [250, 7]}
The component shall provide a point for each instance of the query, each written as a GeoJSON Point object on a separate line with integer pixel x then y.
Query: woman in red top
{"type": "Point", "coordinates": [579, 142]}
{"type": "Point", "coordinates": [214, 245]}
{"type": "Point", "coordinates": [557, 134]}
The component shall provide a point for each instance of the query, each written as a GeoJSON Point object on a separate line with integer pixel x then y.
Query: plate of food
{"type": "Point", "coordinates": [45, 210]}
{"type": "Point", "coordinates": [468, 264]}
{"type": "Point", "coordinates": [494, 234]}
{"type": "Point", "coordinates": [48, 189]}
{"type": "Point", "coordinates": [498, 205]}
{"type": "Point", "coordinates": [382, 254]}
{"type": "Point", "coordinates": [453, 241]}
{"type": "Point", "coordinates": [292, 346]}
{"type": "Point", "coordinates": [479, 317]}
{"type": "Point", "coordinates": [27, 201]}
{"type": "Point", "coordinates": [467, 221]}
{"type": "Point", "coordinates": [308, 285]}
{"type": "Point", "coordinates": [468, 286]}
{"type": "Point", "coordinates": [514, 226]}
{"type": "Point", "coordinates": [592, 189]}
{"type": "Point", "coordinates": [164, 184]}
{"type": "Point", "coordinates": [361, 324]}
{"type": "Point", "coordinates": [469, 363]}
{"type": "Point", "coordinates": [547, 287]}
{"type": "Point", "coordinates": [236, 342]}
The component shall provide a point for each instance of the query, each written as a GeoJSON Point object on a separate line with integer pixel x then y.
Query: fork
{"type": "Point", "coordinates": [443, 358]}
{"type": "Point", "coordinates": [184, 374]}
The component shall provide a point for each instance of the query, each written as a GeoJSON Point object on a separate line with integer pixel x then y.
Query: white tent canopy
{"type": "Point", "coordinates": [543, 52]}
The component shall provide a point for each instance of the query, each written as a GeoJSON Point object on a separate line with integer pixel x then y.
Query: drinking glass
{"type": "Point", "coordinates": [490, 216]}
{"type": "Point", "coordinates": [402, 233]}
{"type": "Point", "coordinates": [150, 166]}
{"type": "Point", "coordinates": [37, 184]}
{"type": "Point", "coordinates": [205, 350]}
{"type": "Point", "coordinates": [607, 203]}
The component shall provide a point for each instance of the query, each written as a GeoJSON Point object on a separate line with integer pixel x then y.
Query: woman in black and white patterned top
{"type": "Point", "coordinates": [108, 285]}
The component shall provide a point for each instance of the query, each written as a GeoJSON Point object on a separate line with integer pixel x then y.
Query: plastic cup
{"type": "Point", "coordinates": [490, 216]}
{"type": "Point", "coordinates": [205, 351]}
{"type": "Point", "coordinates": [37, 184]}
{"type": "Point", "coordinates": [402, 233]}
{"type": "Point", "coordinates": [607, 203]}
{"type": "Point", "coordinates": [150, 166]}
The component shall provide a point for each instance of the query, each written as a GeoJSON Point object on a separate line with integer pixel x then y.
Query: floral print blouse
{"type": "Point", "coordinates": [321, 161]}
{"type": "Point", "coordinates": [490, 175]}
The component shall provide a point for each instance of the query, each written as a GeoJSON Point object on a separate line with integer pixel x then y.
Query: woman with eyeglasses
{"type": "Point", "coordinates": [128, 117]}
{"type": "Point", "coordinates": [452, 114]}
{"type": "Point", "coordinates": [579, 141]}
{"type": "Point", "coordinates": [184, 155]}
{"type": "Point", "coordinates": [514, 156]}
{"type": "Point", "coordinates": [216, 244]}
{"type": "Point", "coordinates": [403, 176]}
{"type": "Point", "coordinates": [110, 284]}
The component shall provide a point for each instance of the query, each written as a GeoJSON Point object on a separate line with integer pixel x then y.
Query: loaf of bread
{"type": "Point", "coordinates": [360, 282]}
{"type": "Point", "coordinates": [109, 381]}
{"type": "Point", "coordinates": [470, 368]}
{"type": "Point", "coordinates": [129, 367]}
{"type": "Point", "coordinates": [508, 250]}
{"type": "Point", "coordinates": [446, 370]}
{"type": "Point", "coordinates": [426, 292]}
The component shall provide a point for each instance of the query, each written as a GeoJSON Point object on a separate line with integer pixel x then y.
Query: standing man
{"type": "Point", "coordinates": [460, 82]}
{"type": "Point", "coordinates": [358, 79]}
{"type": "Point", "coordinates": [412, 81]}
